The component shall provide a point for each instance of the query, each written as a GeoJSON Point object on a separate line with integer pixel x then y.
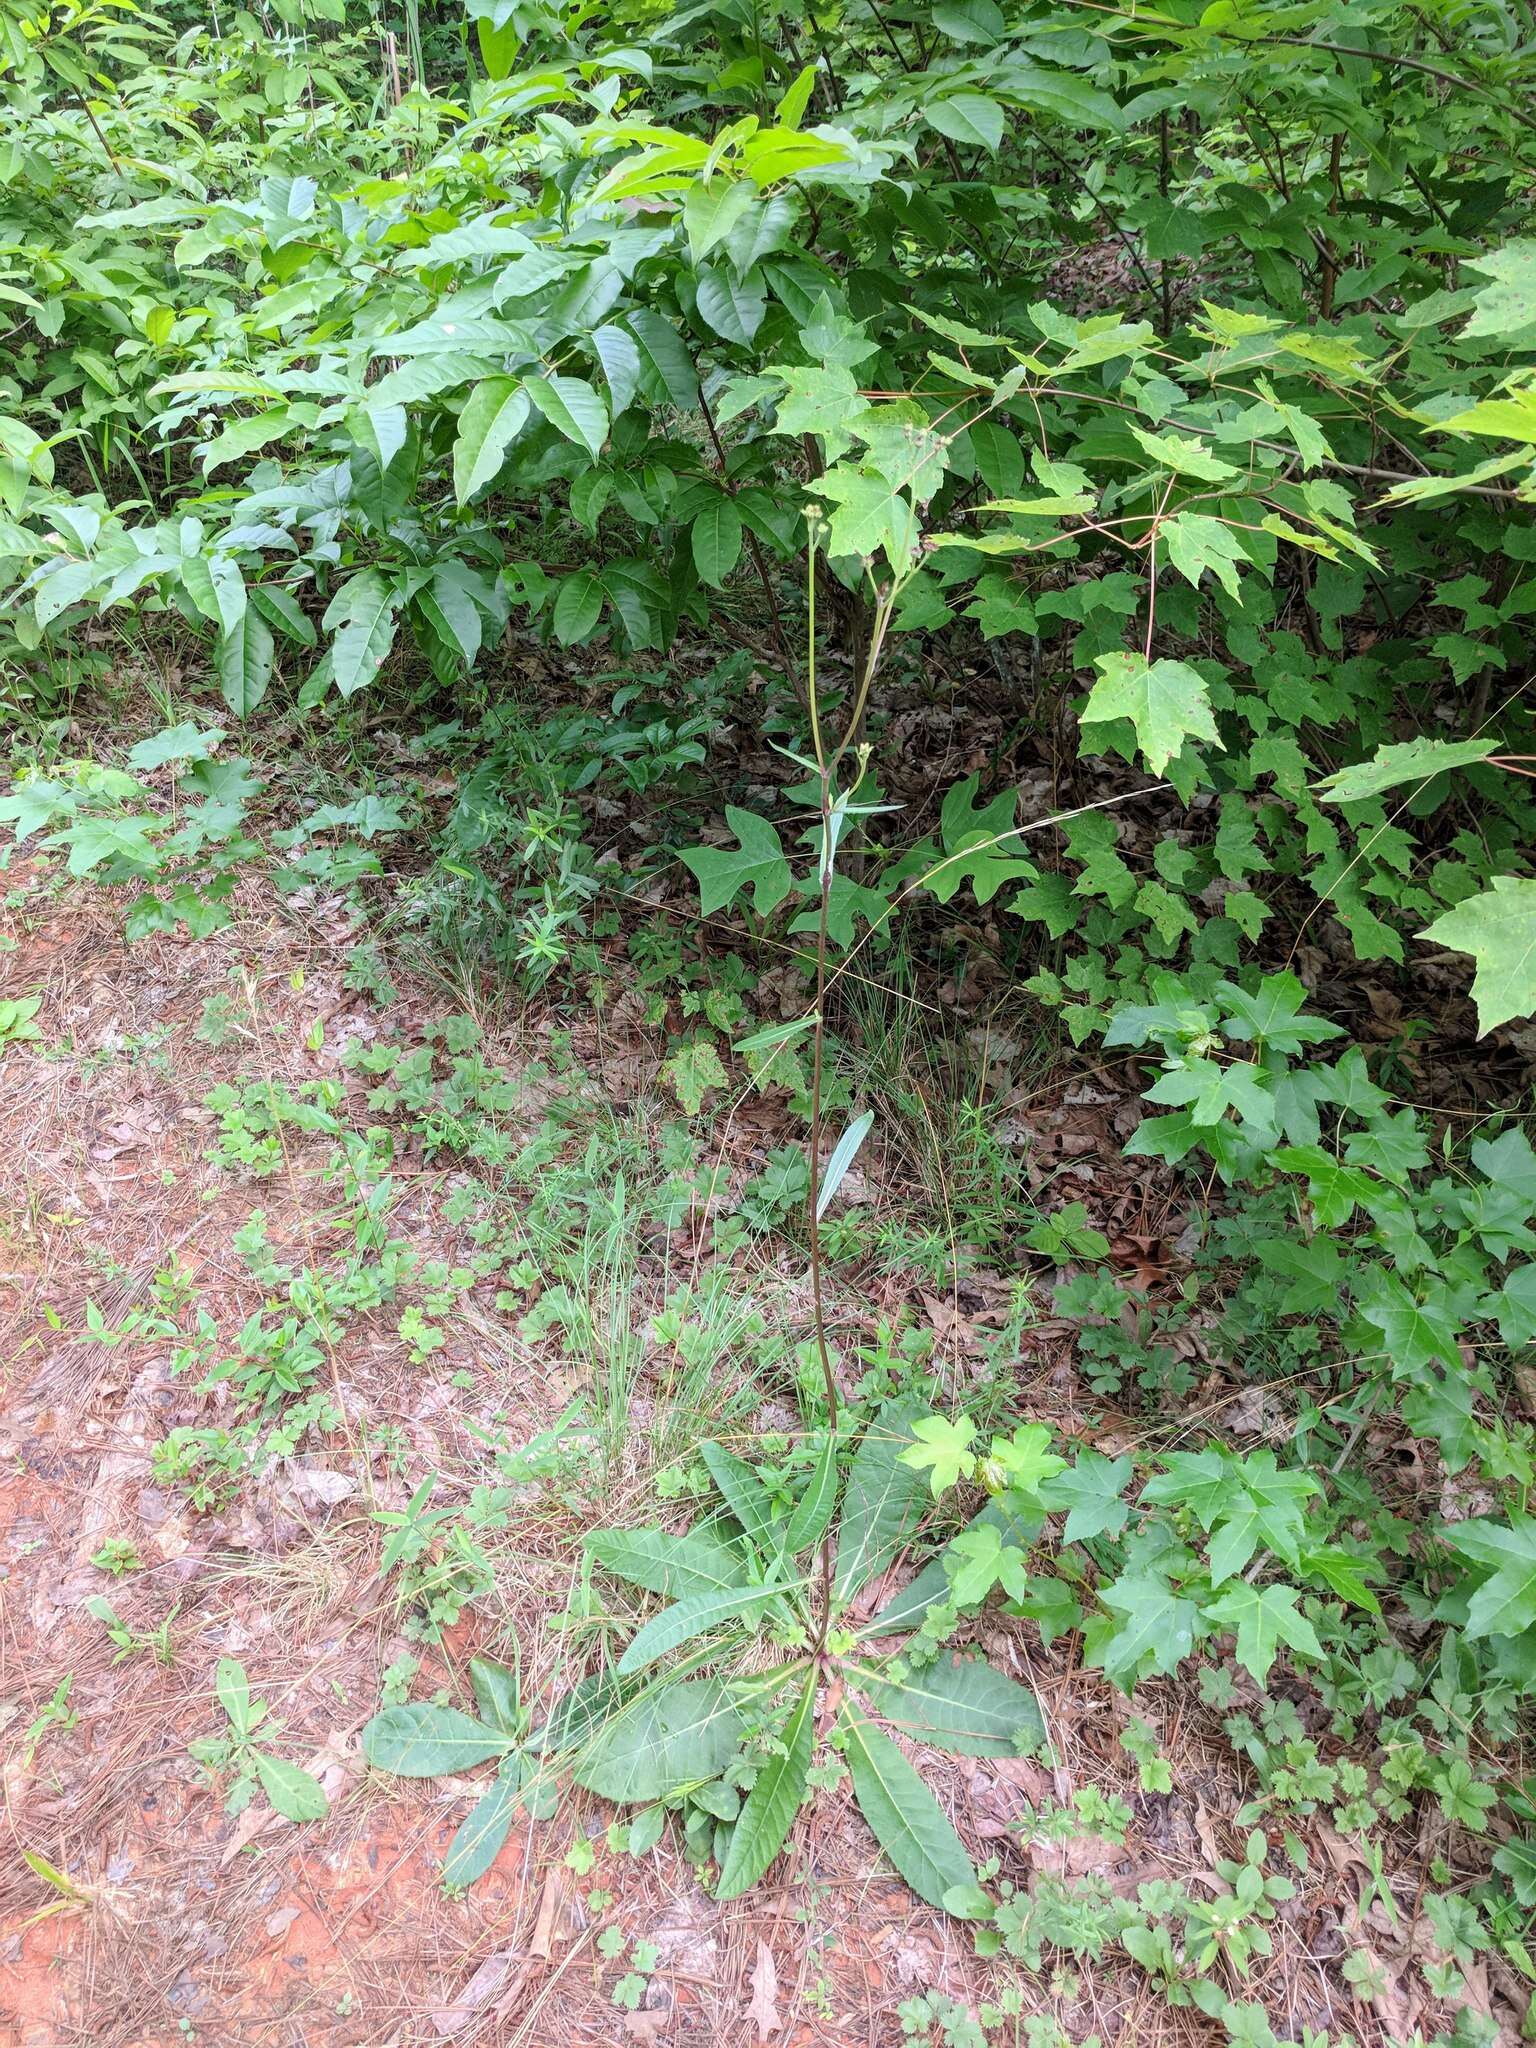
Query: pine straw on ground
{"type": "Point", "coordinates": [183, 1924]}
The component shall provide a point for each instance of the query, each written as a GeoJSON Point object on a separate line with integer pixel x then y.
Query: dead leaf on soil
{"type": "Point", "coordinates": [472, 2000]}
{"type": "Point", "coordinates": [648, 2025]}
{"type": "Point", "coordinates": [762, 2010]}
{"type": "Point", "coordinates": [542, 1944]}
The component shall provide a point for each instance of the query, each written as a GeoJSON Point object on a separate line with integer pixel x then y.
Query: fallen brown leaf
{"type": "Point", "coordinates": [763, 2010]}
{"type": "Point", "coordinates": [543, 1940]}
{"type": "Point", "coordinates": [471, 2000]}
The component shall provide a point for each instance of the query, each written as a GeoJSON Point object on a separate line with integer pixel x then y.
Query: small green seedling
{"type": "Point", "coordinates": [293, 1792]}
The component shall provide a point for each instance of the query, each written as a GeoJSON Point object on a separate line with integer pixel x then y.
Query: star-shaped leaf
{"type": "Point", "coordinates": [1026, 1458]}
{"type": "Point", "coordinates": [1090, 1491]}
{"type": "Point", "coordinates": [1153, 1631]}
{"type": "Point", "coordinates": [941, 1447]}
{"type": "Point", "coordinates": [1263, 1617]}
{"type": "Point", "coordinates": [1505, 1604]}
{"type": "Point", "coordinates": [977, 1560]}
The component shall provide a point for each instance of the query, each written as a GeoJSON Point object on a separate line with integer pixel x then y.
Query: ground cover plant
{"type": "Point", "coordinates": [766, 1002]}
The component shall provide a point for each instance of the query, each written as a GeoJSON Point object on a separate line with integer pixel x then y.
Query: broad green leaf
{"type": "Point", "coordinates": [669, 1565]}
{"type": "Point", "coordinates": [243, 657]}
{"type": "Point", "coordinates": [883, 1502]}
{"type": "Point", "coordinates": [906, 1819]}
{"type": "Point", "coordinates": [452, 614]}
{"type": "Point", "coordinates": [690, 1617]}
{"type": "Point", "coordinates": [243, 437]}
{"type": "Point", "coordinates": [732, 306]}
{"type": "Point", "coordinates": [95, 841]}
{"type": "Point", "coordinates": [1498, 928]}
{"type": "Point", "coordinates": [1184, 455]}
{"type": "Point", "coordinates": [776, 1797]}
{"type": "Point", "coordinates": [1168, 702]}
{"type": "Point", "coordinates": [420, 1740]}
{"type": "Point", "coordinates": [478, 1839]}
{"type": "Point", "coordinates": [185, 742]}
{"type": "Point", "coordinates": [716, 541]}
{"type": "Point", "coordinates": [293, 1793]}
{"type": "Point", "coordinates": [577, 1715]}
{"type": "Point", "coordinates": [1508, 305]}
{"type": "Point", "coordinates": [968, 117]}
{"type": "Point", "coordinates": [758, 864]}
{"type": "Point", "coordinates": [490, 421]}
{"type": "Point", "coordinates": [572, 407]}
{"type": "Point", "coordinates": [362, 616]}
{"type": "Point", "coordinates": [711, 210]}
{"type": "Point", "coordinates": [959, 1704]}
{"type": "Point", "coordinates": [578, 607]}
{"type": "Point", "coordinates": [664, 359]}
{"type": "Point", "coordinates": [280, 609]}
{"type": "Point", "coordinates": [1390, 767]}
{"type": "Point", "coordinates": [63, 587]}
{"type": "Point", "coordinates": [619, 353]}
{"type": "Point", "coordinates": [216, 587]}
{"type": "Point", "coordinates": [672, 1735]}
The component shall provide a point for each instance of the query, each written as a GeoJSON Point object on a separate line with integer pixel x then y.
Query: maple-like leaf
{"type": "Point", "coordinates": [1154, 1628]}
{"type": "Point", "coordinates": [1025, 1459]}
{"type": "Point", "coordinates": [1263, 1617]}
{"type": "Point", "coordinates": [757, 863]}
{"type": "Point", "coordinates": [1167, 702]}
{"type": "Point", "coordinates": [941, 1447]}
{"type": "Point", "coordinates": [1091, 1493]}
{"type": "Point", "coordinates": [1505, 1603]}
{"type": "Point", "coordinates": [1498, 928]}
{"type": "Point", "coordinates": [977, 1560]}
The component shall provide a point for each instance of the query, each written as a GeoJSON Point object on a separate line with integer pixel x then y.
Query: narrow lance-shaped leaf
{"type": "Point", "coordinates": [484, 1829]}
{"type": "Point", "coordinates": [908, 1822]}
{"type": "Point", "coordinates": [813, 1511]}
{"type": "Point", "coordinates": [844, 1152]}
{"type": "Point", "coordinates": [884, 1499]}
{"type": "Point", "coordinates": [691, 1617]}
{"type": "Point", "coordinates": [776, 1797]}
